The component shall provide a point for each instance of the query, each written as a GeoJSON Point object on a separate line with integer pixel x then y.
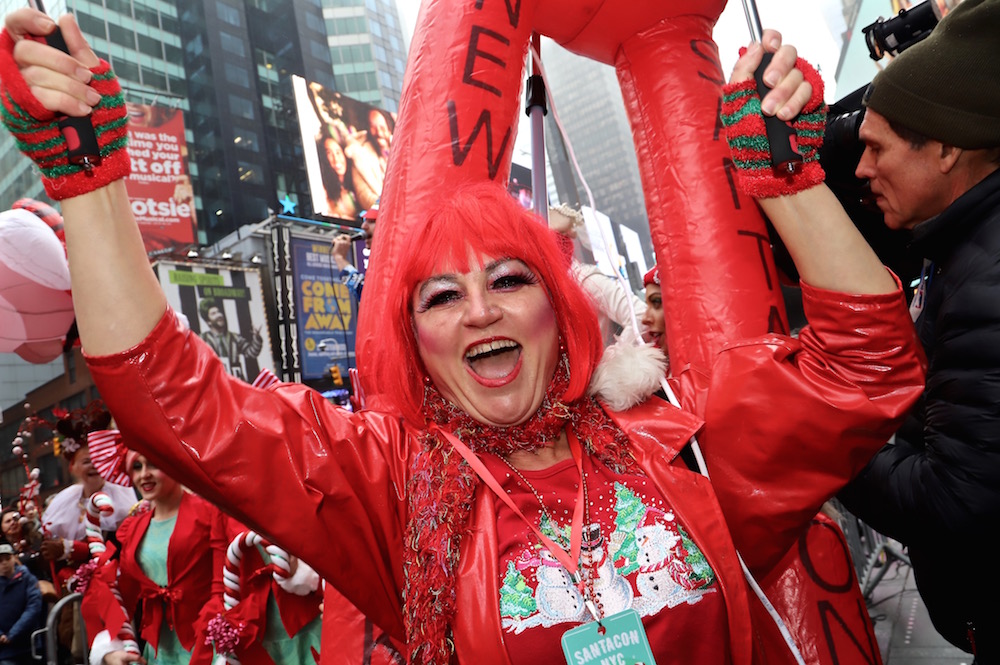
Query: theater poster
{"type": "Point", "coordinates": [159, 187]}
{"type": "Point", "coordinates": [326, 312]}
{"type": "Point", "coordinates": [225, 307]}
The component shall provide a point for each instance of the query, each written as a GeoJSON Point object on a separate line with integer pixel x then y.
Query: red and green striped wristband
{"type": "Point", "coordinates": [747, 137]}
{"type": "Point", "coordinates": [37, 134]}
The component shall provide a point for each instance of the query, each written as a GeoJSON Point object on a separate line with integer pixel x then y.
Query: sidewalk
{"type": "Point", "coordinates": [903, 629]}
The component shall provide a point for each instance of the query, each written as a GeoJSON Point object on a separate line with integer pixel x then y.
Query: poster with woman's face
{"type": "Point", "coordinates": [159, 187]}
{"type": "Point", "coordinates": [347, 145]}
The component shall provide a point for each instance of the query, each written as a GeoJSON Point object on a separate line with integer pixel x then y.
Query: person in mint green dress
{"type": "Point", "coordinates": [166, 578]}
{"type": "Point", "coordinates": [279, 614]}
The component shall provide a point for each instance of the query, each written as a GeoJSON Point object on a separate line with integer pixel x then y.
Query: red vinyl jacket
{"type": "Point", "coordinates": [186, 603]}
{"type": "Point", "coordinates": [784, 424]}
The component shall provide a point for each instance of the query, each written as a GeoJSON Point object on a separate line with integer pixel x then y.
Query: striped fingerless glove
{"type": "Point", "coordinates": [37, 134]}
{"type": "Point", "coordinates": [747, 138]}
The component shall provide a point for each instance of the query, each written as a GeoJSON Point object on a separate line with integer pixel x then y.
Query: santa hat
{"type": "Point", "coordinates": [651, 277]}
{"type": "Point", "coordinates": [110, 456]}
{"type": "Point", "coordinates": [371, 214]}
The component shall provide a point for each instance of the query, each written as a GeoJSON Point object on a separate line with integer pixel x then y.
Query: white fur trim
{"type": "Point", "coordinates": [303, 582]}
{"type": "Point", "coordinates": [627, 374]}
{"type": "Point", "coordinates": [102, 646]}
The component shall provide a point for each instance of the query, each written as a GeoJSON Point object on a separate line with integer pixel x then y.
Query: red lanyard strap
{"type": "Point", "coordinates": [569, 560]}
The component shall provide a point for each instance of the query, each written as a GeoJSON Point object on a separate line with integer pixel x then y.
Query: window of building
{"type": "Point", "coordinates": [122, 36]}
{"type": "Point", "coordinates": [318, 51]}
{"type": "Point", "coordinates": [246, 139]}
{"type": "Point", "coordinates": [228, 13]}
{"type": "Point", "coordinates": [91, 26]}
{"type": "Point", "coordinates": [240, 106]}
{"type": "Point", "coordinates": [376, 28]}
{"type": "Point", "coordinates": [149, 46]}
{"type": "Point", "coordinates": [126, 70]}
{"type": "Point", "coordinates": [250, 173]}
{"type": "Point", "coordinates": [232, 44]}
{"type": "Point", "coordinates": [146, 16]}
{"type": "Point", "coordinates": [153, 78]}
{"type": "Point", "coordinates": [237, 75]}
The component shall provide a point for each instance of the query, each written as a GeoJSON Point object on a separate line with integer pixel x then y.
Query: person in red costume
{"type": "Point", "coordinates": [656, 330]}
{"type": "Point", "coordinates": [490, 507]}
{"type": "Point", "coordinates": [165, 575]}
{"type": "Point", "coordinates": [63, 521]}
{"type": "Point", "coordinates": [280, 613]}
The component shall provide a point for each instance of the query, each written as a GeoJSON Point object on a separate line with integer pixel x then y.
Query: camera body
{"type": "Point", "coordinates": [895, 35]}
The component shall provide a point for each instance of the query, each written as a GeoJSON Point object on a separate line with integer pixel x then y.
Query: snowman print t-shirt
{"type": "Point", "coordinates": [634, 550]}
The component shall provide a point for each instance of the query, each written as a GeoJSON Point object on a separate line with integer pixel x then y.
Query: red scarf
{"type": "Point", "coordinates": [440, 494]}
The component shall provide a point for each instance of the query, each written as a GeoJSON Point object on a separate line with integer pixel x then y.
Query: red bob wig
{"type": "Point", "coordinates": [480, 220]}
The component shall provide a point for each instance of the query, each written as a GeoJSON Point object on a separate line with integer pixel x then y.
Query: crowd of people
{"type": "Point", "coordinates": [507, 496]}
{"type": "Point", "coordinates": [150, 559]}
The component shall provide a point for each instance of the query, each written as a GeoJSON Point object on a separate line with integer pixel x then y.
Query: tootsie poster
{"type": "Point", "coordinates": [159, 187]}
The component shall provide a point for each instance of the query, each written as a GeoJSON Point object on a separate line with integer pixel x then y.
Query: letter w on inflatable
{"type": "Point", "coordinates": [457, 123]}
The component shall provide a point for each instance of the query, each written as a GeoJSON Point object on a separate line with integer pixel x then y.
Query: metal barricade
{"type": "Point", "coordinates": [872, 552]}
{"type": "Point", "coordinates": [51, 656]}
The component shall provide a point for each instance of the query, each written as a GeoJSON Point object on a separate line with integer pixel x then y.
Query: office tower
{"type": "Point", "coordinates": [368, 50]}
{"type": "Point", "coordinates": [589, 102]}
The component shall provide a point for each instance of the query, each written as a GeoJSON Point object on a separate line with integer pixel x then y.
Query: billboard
{"type": "Point", "coordinates": [159, 187]}
{"type": "Point", "coordinates": [327, 315]}
{"type": "Point", "coordinates": [346, 144]}
{"type": "Point", "coordinates": [225, 307]}
{"type": "Point", "coordinates": [519, 185]}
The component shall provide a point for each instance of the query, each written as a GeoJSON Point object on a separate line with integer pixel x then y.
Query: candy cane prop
{"type": "Point", "coordinates": [101, 504]}
{"type": "Point", "coordinates": [224, 635]}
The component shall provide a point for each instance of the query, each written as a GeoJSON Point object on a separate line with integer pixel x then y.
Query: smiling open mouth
{"type": "Point", "coordinates": [495, 359]}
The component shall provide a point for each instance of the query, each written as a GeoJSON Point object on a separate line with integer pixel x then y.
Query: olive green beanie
{"type": "Point", "coordinates": [947, 87]}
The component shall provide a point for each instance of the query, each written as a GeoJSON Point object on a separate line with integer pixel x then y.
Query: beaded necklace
{"type": "Point", "coordinates": [589, 572]}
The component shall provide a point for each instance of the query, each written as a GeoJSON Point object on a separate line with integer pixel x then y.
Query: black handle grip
{"type": "Point", "coordinates": [784, 147]}
{"type": "Point", "coordinates": [81, 140]}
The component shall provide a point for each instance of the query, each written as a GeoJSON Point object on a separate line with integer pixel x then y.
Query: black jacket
{"type": "Point", "coordinates": [938, 488]}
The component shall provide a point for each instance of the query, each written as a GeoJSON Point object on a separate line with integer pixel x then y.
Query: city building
{"type": "Point", "coordinates": [368, 50]}
{"type": "Point", "coordinates": [589, 102]}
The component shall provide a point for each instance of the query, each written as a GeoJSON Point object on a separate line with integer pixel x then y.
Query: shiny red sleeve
{"type": "Point", "coordinates": [788, 422]}
{"type": "Point", "coordinates": [324, 484]}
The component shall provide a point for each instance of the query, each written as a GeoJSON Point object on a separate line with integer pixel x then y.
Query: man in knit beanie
{"type": "Point", "coordinates": [932, 156]}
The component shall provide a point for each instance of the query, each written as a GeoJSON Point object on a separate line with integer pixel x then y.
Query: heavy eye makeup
{"type": "Point", "coordinates": [503, 275]}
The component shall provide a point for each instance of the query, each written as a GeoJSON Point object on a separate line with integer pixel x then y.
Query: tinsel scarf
{"type": "Point", "coordinates": [441, 489]}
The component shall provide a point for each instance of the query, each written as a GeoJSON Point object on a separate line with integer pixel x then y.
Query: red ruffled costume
{"type": "Point", "coordinates": [186, 604]}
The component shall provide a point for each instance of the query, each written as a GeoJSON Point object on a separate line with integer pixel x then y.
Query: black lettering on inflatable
{"type": "Point", "coordinates": [383, 642]}
{"type": "Point", "coordinates": [460, 153]}
{"type": "Point", "coordinates": [473, 53]}
{"type": "Point", "coordinates": [718, 122]}
{"type": "Point", "coordinates": [775, 324]}
{"type": "Point", "coordinates": [730, 169]}
{"type": "Point", "coordinates": [513, 13]}
{"type": "Point", "coordinates": [763, 243]}
{"type": "Point", "coordinates": [832, 587]}
{"type": "Point", "coordinates": [826, 611]}
{"type": "Point", "coordinates": [717, 77]}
